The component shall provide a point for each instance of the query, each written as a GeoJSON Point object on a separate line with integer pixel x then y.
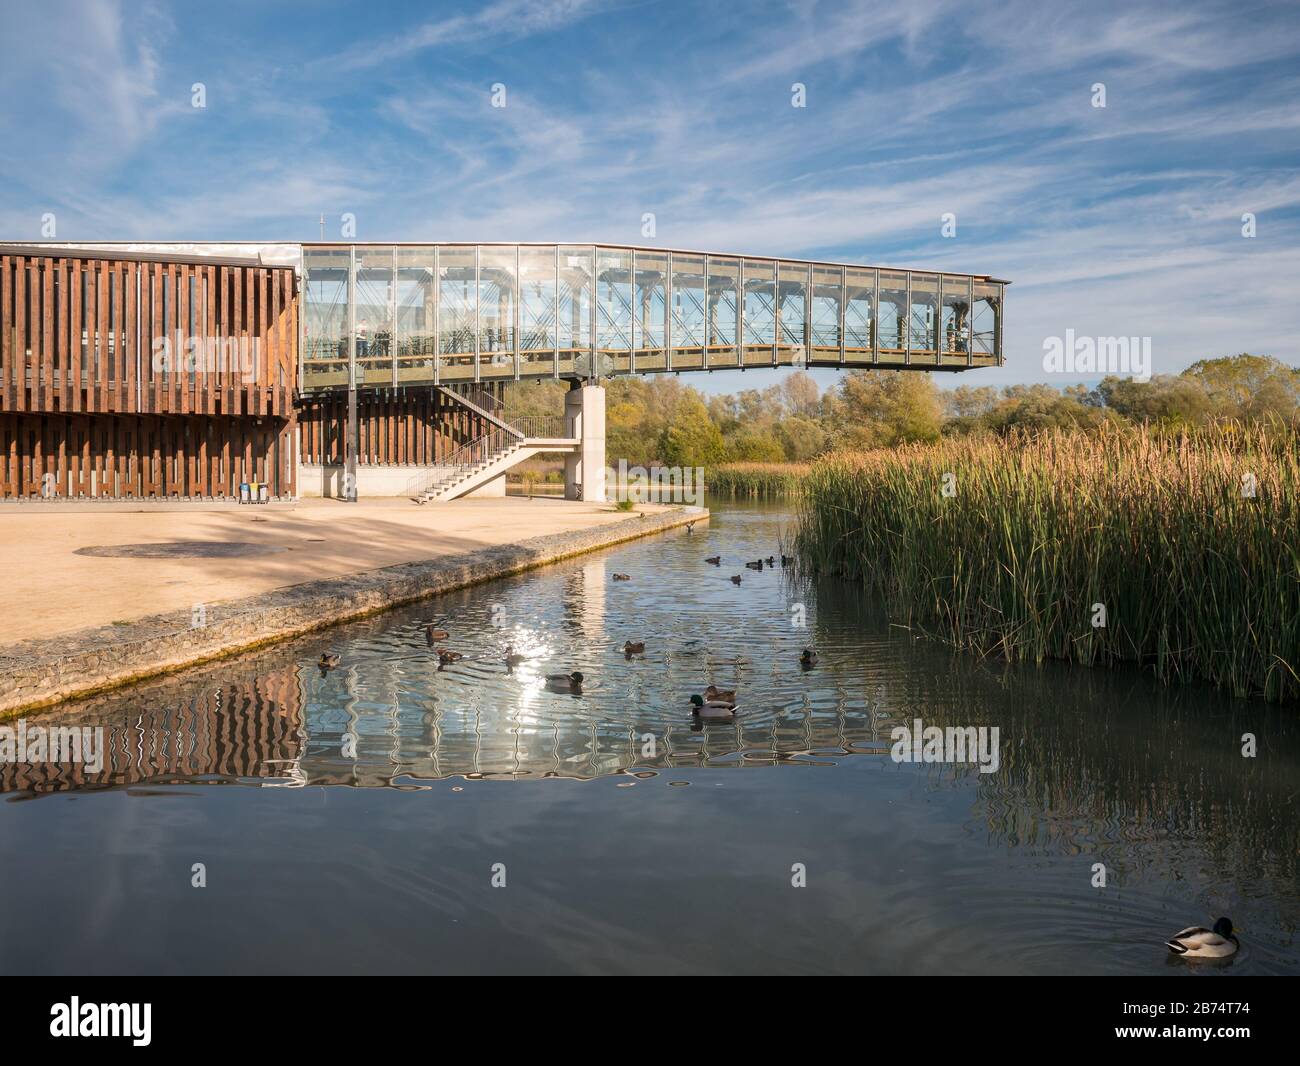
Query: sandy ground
{"type": "Point", "coordinates": [47, 589]}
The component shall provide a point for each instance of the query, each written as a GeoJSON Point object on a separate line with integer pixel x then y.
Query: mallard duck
{"type": "Point", "coordinates": [622, 577]}
{"type": "Point", "coordinates": [565, 682]}
{"type": "Point", "coordinates": [787, 560]}
{"type": "Point", "coordinates": [433, 633]}
{"type": "Point", "coordinates": [702, 708]}
{"type": "Point", "coordinates": [633, 647]}
{"type": "Point", "coordinates": [808, 659]}
{"type": "Point", "coordinates": [445, 657]}
{"type": "Point", "coordinates": [735, 579]}
{"type": "Point", "coordinates": [714, 560]}
{"type": "Point", "coordinates": [771, 561]}
{"type": "Point", "coordinates": [757, 564]}
{"type": "Point", "coordinates": [1197, 942]}
{"type": "Point", "coordinates": [690, 526]}
{"type": "Point", "coordinates": [329, 660]}
{"type": "Point", "coordinates": [512, 657]}
{"type": "Point", "coordinates": [724, 694]}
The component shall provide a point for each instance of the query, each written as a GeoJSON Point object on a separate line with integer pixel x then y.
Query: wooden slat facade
{"type": "Point", "coordinates": [402, 427]}
{"type": "Point", "coordinates": [139, 378]}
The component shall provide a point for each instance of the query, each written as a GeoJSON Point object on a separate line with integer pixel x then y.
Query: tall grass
{"type": "Point", "coordinates": [756, 480]}
{"type": "Point", "coordinates": [1197, 579]}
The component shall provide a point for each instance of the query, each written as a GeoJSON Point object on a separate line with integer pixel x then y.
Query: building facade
{"type": "Point", "coordinates": [187, 370]}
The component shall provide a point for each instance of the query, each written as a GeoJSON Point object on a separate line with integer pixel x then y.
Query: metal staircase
{"type": "Point", "coordinates": [507, 443]}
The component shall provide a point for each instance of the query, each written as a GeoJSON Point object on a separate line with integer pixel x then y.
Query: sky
{"type": "Point", "coordinates": [1117, 221]}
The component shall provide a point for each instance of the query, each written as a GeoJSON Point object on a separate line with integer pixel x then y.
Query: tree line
{"type": "Point", "coordinates": [657, 419]}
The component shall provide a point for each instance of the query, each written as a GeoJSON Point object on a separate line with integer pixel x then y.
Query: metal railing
{"type": "Point", "coordinates": [463, 461]}
{"type": "Point", "coordinates": [548, 427]}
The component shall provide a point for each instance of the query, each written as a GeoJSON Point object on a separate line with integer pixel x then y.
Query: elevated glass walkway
{"type": "Point", "coordinates": [404, 314]}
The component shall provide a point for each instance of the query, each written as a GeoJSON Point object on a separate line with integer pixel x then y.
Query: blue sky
{"type": "Point", "coordinates": [1117, 221]}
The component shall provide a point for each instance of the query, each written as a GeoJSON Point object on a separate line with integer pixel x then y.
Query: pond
{"type": "Point", "coordinates": [388, 816]}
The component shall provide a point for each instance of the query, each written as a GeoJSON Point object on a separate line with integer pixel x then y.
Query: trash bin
{"type": "Point", "coordinates": [262, 495]}
{"type": "Point", "coordinates": [245, 495]}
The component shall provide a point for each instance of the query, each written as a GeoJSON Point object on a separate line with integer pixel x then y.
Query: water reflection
{"type": "Point", "coordinates": [1095, 764]}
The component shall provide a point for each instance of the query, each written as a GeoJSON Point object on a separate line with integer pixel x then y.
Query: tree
{"type": "Point", "coordinates": [883, 408]}
{"type": "Point", "coordinates": [691, 438]}
{"type": "Point", "coordinates": [1249, 387]}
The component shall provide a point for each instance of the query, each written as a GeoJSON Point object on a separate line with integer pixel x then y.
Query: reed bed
{"type": "Point", "coordinates": [756, 480]}
{"type": "Point", "coordinates": [1041, 534]}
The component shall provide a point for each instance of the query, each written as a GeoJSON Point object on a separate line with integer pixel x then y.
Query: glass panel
{"type": "Point", "coordinates": [614, 310]}
{"type": "Point", "coordinates": [688, 301]}
{"type": "Point", "coordinates": [651, 269]}
{"type": "Point", "coordinates": [892, 316]}
{"type": "Point", "coordinates": [723, 311]}
{"type": "Point", "coordinates": [859, 315]}
{"type": "Point", "coordinates": [456, 304]}
{"type": "Point", "coordinates": [954, 320]}
{"type": "Point", "coordinates": [826, 297]}
{"type": "Point", "coordinates": [760, 312]}
{"type": "Point", "coordinates": [575, 310]}
{"type": "Point", "coordinates": [375, 326]}
{"type": "Point", "coordinates": [924, 316]}
{"type": "Point", "coordinates": [987, 324]}
{"type": "Point", "coordinates": [537, 310]}
{"type": "Point", "coordinates": [325, 313]}
{"type": "Point", "coordinates": [416, 343]}
{"type": "Point", "coordinates": [496, 311]}
{"type": "Point", "coordinates": [793, 348]}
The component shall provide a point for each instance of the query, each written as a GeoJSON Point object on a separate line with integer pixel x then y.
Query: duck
{"type": "Point", "coordinates": [433, 633]}
{"type": "Point", "coordinates": [757, 564]}
{"type": "Point", "coordinates": [713, 560]}
{"type": "Point", "coordinates": [622, 577]}
{"type": "Point", "coordinates": [787, 560]}
{"type": "Point", "coordinates": [771, 561]}
{"type": "Point", "coordinates": [446, 657]}
{"type": "Point", "coordinates": [565, 682]}
{"type": "Point", "coordinates": [808, 659]}
{"type": "Point", "coordinates": [690, 526]}
{"type": "Point", "coordinates": [735, 579]}
{"type": "Point", "coordinates": [1197, 942]}
{"type": "Point", "coordinates": [329, 660]}
{"type": "Point", "coordinates": [633, 647]}
{"type": "Point", "coordinates": [724, 694]}
{"type": "Point", "coordinates": [513, 658]}
{"type": "Point", "coordinates": [702, 708]}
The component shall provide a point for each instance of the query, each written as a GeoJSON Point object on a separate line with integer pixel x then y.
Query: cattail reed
{"type": "Point", "coordinates": [1177, 551]}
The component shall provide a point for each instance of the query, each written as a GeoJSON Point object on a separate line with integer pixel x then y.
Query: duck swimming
{"type": "Point", "coordinates": [513, 658]}
{"type": "Point", "coordinates": [434, 633]}
{"type": "Point", "coordinates": [722, 694]}
{"type": "Point", "coordinates": [446, 658]}
{"type": "Point", "coordinates": [329, 660]}
{"type": "Point", "coordinates": [714, 560]}
{"type": "Point", "coordinates": [622, 577]}
{"type": "Point", "coordinates": [633, 647]}
{"type": "Point", "coordinates": [565, 682]}
{"type": "Point", "coordinates": [702, 708]}
{"type": "Point", "coordinates": [735, 579]}
{"type": "Point", "coordinates": [808, 659]}
{"type": "Point", "coordinates": [1197, 942]}
{"type": "Point", "coordinates": [757, 564]}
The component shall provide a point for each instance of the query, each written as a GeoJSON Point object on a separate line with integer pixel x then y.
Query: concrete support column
{"type": "Point", "coordinates": [584, 419]}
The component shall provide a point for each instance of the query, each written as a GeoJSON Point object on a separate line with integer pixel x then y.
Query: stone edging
{"type": "Point", "coordinates": [93, 660]}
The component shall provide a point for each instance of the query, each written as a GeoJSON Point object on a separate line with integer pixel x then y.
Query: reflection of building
{"type": "Point", "coordinates": [249, 729]}
{"type": "Point", "coordinates": [161, 370]}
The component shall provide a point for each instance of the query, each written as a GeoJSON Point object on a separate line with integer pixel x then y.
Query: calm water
{"type": "Point", "coordinates": [617, 860]}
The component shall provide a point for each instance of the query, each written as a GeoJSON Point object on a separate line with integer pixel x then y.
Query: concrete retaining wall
{"type": "Point", "coordinates": [37, 673]}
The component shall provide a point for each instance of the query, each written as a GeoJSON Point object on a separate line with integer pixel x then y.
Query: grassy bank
{"type": "Point", "coordinates": [1042, 534]}
{"type": "Point", "coordinates": [756, 480]}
